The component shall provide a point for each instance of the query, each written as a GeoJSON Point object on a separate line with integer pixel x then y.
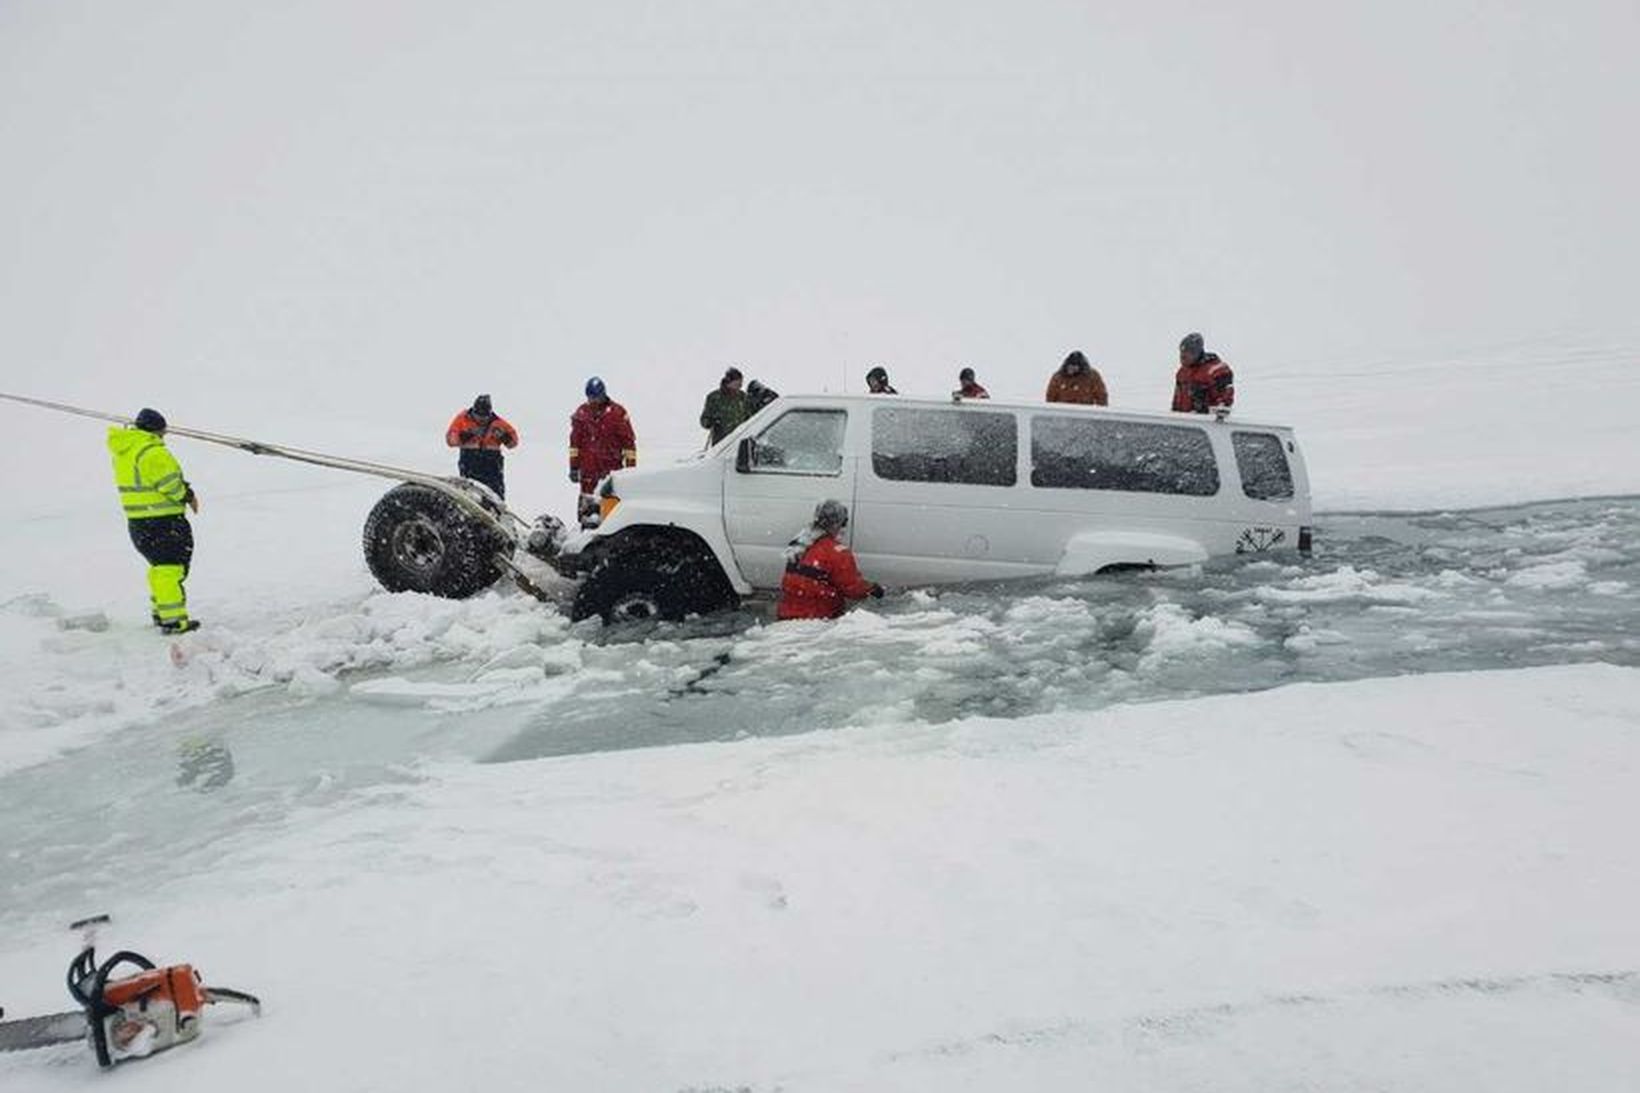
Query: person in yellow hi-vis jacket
{"type": "Point", "coordinates": [155, 496]}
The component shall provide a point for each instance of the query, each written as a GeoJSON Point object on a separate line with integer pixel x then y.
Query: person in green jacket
{"type": "Point", "coordinates": [155, 498]}
{"type": "Point", "coordinates": [725, 407]}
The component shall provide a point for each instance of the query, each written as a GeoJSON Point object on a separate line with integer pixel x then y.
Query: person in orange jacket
{"type": "Point", "coordinates": [600, 441]}
{"type": "Point", "coordinates": [481, 433]}
{"type": "Point", "coordinates": [1078, 381]}
{"type": "Point", "coordinates": [821, 574]}
{"type": "Point", "coordinates": [1203, 381]}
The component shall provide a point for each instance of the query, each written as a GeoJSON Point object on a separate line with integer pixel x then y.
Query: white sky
{"type": "Point", "coordinates": [245, 212]}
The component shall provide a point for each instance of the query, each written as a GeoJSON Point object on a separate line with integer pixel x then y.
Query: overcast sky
{"type": "Point", "coordinates": [246, 211]}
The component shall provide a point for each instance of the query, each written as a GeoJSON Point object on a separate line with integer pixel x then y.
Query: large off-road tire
{"type": "Point", "coordinates": [417, 539]}
{"type": "Point", "coordinates": [636, 584]}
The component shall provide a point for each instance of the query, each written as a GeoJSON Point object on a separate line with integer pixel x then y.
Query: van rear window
{"type": "Point", "coordinates": [1262, 464]}
{"type": "Point", "coordinates": [922, 445]}
{"type": "Point", "coordinates": [1136, 457]}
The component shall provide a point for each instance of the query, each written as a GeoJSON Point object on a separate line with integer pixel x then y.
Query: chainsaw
{"type": "Point", "coordinates": [129, 1006]}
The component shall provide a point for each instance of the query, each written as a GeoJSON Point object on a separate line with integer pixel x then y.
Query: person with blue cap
{"type": "Point", "coordinates": [155, 498]}
{"type": "Point", "coordinates": [601, 440]}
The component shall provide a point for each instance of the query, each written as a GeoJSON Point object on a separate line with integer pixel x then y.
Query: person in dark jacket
{"type": "Point", "coordinates": [821, 574]}
{"type": "Point", "coordinates": [877, 382]}
{"type": "Point", "coordinates": [726, 407]}
{"type": "Point", "coordinates": [968, 386]}
{"type": "Point", "coordinates": [601, 440]}
{"type": "Point", "coordinates": [1203, 381]}
{"type": "Point", "coordinates": [1078, 381]}
{"type": "Point", "coordinates": [155, 497]}
{"type": "Point", "coordinates": [759, 396]}
{"type": "Point", "coordinates": [481, 433]}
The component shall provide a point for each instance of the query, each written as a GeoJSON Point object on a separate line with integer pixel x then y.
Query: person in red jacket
{"type": "Point", "coordinates": [1203, 381]}
{"type": "Point", "coordinates": [821, 575]}
{"type": "Point", "coordinates": [968, 386]}
{"type": "Point", "coordinates": [481, 433]}
{"type": "Point", "coordinates": [600, 441]}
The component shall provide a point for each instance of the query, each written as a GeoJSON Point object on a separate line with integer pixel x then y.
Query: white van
{"type": "Point", "coordinates": [939, 493]}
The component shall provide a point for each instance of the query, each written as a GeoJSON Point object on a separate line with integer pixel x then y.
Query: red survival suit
{"type": "Point", "coordinates": [820, 580]}
{"type": "Point", "coordinates": [1205, 384]}
{"type": "Point", "coordinates": [600, 440]}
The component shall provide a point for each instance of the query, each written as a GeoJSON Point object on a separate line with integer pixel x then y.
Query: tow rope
{"type": "Point", "coordinates": [254, 447]}
{"type": "Point", "coordinates": [483, 506]}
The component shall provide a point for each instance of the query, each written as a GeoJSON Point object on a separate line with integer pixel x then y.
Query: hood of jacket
{"type": "Point", "coordinates": [800, 545]}
{"type": "Point", "coordinates": [125, 439]}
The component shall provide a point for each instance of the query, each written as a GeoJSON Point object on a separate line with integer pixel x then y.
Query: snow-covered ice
{"type": "Point", "coordinates": [1425, 882]}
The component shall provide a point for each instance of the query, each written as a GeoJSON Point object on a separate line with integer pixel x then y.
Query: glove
{"type": "Point", "coordinates": [574, 475]}
{"type": "Point", "coordinates": [876, 591]}
{"type": "Point", "coordinates": [192, 500]}
{"type": "Point", "coordinates": [466, 436]}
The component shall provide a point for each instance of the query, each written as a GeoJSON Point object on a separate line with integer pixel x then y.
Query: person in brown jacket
{"type": "Point", "coordinates": [1078, 381]}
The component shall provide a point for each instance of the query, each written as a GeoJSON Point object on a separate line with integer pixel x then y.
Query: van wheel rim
{"type": "Point", "coordinates": [418, 546]}
{"type": "Point", "coordinates": [635, 607]}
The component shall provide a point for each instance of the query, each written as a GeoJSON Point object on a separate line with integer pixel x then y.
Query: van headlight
{"type": "Point", "coordinates": [606, 502]}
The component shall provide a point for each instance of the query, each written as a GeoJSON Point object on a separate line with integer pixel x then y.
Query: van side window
{"type": "Point", "coordinates": [923, 445]}
{"type": "Point", "coordinates": [1092, 454]}
{"type": "Point", "coordinates": [801, 442]}
{"type": "Point", "coordinates": [1265, 475]}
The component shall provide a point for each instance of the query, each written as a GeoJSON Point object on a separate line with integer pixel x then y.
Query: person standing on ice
{"type": "Point", "coordinates": [821, 574]}
{"type": "Point", "coordinates": [600, 441]}
{"type": "Point", "coordinates": [726, 407]}
{"type": "Point", "coordinates": [968, 386]}
{"type": "Point", "coordinates": [155, 498]}
{"type": "Point", "coordinates": [1078, 381]}
{"type": "Point", "coordinates": [877, 382]}
{"type": "Point", "coordinates": [481, 433]}
{"type": "Point", "coordinates": [758, 396]}
{"type": "Point", "coordinates": [1203, 381]}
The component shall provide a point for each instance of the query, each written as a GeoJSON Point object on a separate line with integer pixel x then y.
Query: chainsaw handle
{"type": "Point", "coordinates": [85, 967]}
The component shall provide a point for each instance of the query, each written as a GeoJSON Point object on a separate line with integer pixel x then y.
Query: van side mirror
{"type": "Point", "coordinates": [744, 453]}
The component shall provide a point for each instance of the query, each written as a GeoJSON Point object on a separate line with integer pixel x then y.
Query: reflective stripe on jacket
{"type": "Point", "coordinates": [146, 473]}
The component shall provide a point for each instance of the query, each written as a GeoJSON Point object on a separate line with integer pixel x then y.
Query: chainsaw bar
{"type": "Point", "coordinates": [52, 1028]}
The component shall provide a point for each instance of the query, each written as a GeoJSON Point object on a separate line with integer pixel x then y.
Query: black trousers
{"type": "Point", "coordinates": [483, 465]}
{"type": "Point", "coordinates": [163, 540]}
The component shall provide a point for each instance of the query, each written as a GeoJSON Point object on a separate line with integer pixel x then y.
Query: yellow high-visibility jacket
{"type": "Point", "coordinates": [148, 476]}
